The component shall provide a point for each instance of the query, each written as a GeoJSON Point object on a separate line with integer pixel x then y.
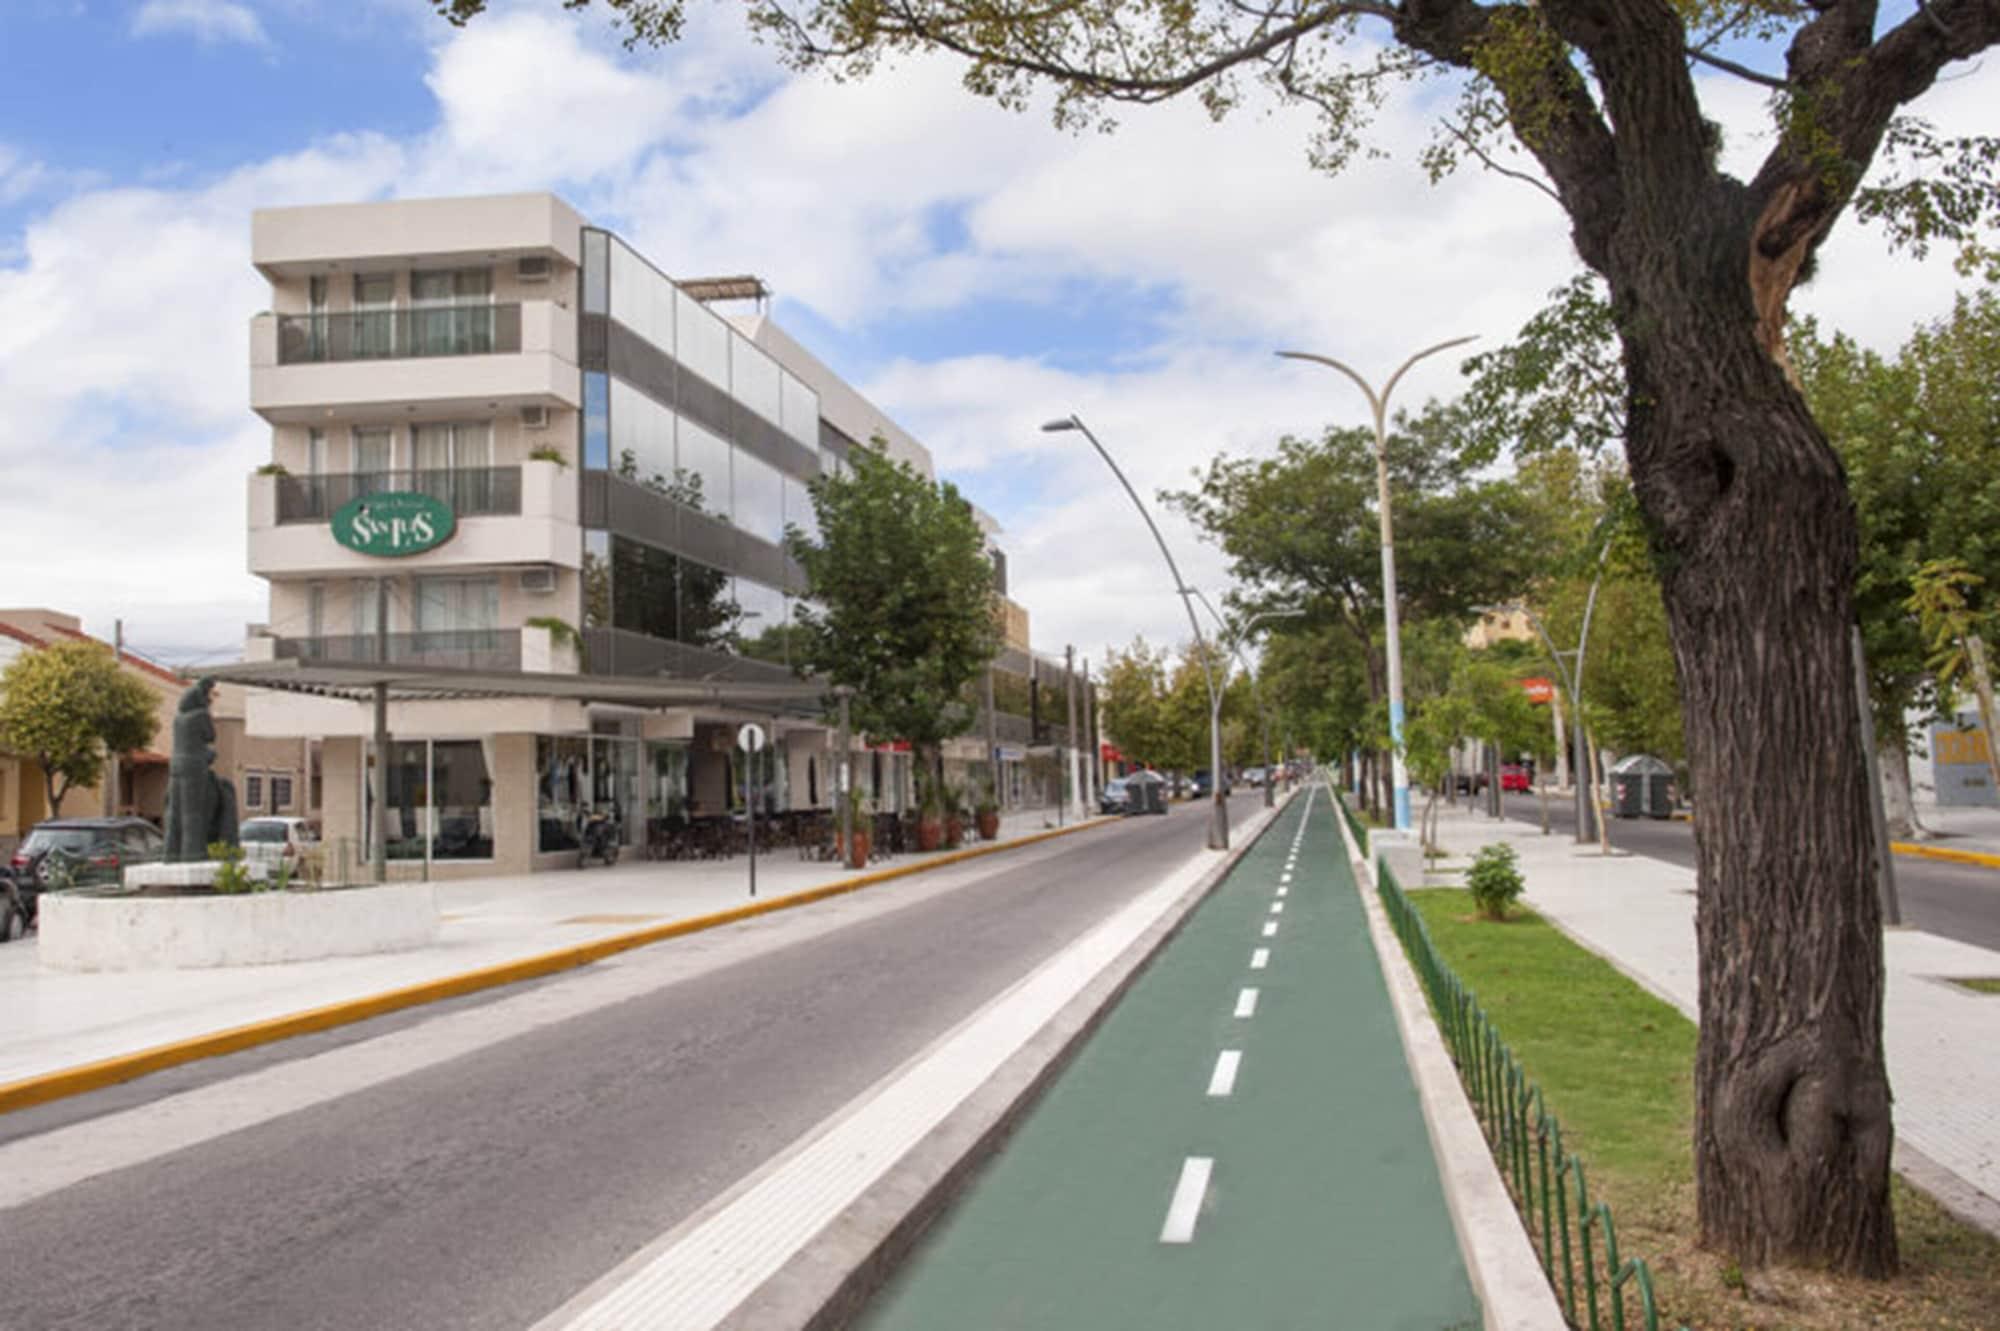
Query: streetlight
{"type": "Point", "coordinates": [1218, 824]}
{"type": "Point", "coordinates": [1573, 681]}
{"type": "Point", "coordinates": [1379, 404]}
{"type": "Point", "coordinates": [1257, 690]}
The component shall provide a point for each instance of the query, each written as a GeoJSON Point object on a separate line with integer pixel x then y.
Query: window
{"type": "Point", "coordinates": [754, 379]}
{"type": "Point", "coordinates": [253, 790]}
{"type": "Point", "coordinates": [596, 263]}
{"type": "Point", "coordinates": [703, 471]}
{"type": "Point", "coordinates": [374, 458]}
{"type": "Point", "coordinates": [315, 610]}
{"type": "Point", "coordinates": [456, 605]}
{"type": "Point", "coordinates": [760, 498]}
{"type": "Point", "coordinates": [645, 590]}
{"type": "Point", "coordinates": [701, 339]}
{"type": "Point", "coordinates": [374, 314]}
{"type": "Point", "coordinates": [453, 312]}
{"type": "Point", "coordinates": [281, 792]}
{"type": "Point", "coordinates": [453, 464]}
{"type": "Point", "coordinates": [315, 452]}
{"type": "Point", "coordinates": [596, 420]}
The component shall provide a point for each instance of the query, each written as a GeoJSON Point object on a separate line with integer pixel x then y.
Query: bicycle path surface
{"type": "Point", "coordinates": [1238, 1144]}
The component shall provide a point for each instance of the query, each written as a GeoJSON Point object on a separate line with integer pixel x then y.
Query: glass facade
{"type": "Point", "coordinates": [655, 424]}
{"type": "Point", "coordinates": [440, 800]}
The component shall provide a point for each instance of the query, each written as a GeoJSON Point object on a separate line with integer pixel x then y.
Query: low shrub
{"type": "Point", "coordinates": [1494, 881]}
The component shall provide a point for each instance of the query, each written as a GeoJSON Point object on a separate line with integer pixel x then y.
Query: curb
{"type": "Point", "coordinates": [86, 1077]}
{"type": "Point", "coordinates": [1946, 853]}
{"type": "Point", "coordinates": [829, 1281]}
{"type": "Point", "coordinates": [1492, 1235]}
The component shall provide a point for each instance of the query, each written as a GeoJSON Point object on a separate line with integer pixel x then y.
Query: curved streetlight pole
{"type": "Point", "coordinates": [1235, 638]}
{"type": "Point", "coordinates": [1379, 405]}
{"type": "Point", "coordinates": [1218, 824]}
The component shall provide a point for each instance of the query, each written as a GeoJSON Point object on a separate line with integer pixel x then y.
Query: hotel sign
{"type": "Point", "coordinates": [394, 522]}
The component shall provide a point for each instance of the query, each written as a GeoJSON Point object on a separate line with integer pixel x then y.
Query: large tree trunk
{"type": "Point", "coordinates": [1756, 541]}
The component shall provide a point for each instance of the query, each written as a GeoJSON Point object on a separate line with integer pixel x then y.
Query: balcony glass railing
{"type": "Point", "coordinates": [462, 649]}
{"type": "Point", "coordinates": [470, 491]}
{"type": "Point", "coordinates": [433, 330]}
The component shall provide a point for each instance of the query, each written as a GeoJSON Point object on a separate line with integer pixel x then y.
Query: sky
{"type": "Point", "coordinates": [973, 270]}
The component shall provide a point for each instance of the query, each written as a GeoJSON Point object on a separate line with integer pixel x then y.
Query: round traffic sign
{"type": "Point", "coordinates": [751, 737]}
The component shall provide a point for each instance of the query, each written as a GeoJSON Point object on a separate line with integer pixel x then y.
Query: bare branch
{"type": "Point", "coordinates": [1472, 146]}
{"type": "Point", "coordinates": [1740, 71]}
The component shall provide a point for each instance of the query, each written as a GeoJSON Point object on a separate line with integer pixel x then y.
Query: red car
{"type": "Point", "coordinates": [1513, 776]}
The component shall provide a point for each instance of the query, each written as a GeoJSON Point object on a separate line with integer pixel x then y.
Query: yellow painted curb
{"type": "Point", "coordinates": [124, 1067]}
{"type": "Point", "coordinates": [1946, 853]}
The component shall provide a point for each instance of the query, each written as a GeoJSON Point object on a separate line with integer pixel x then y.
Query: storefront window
{"type": "Point", "coordinates": [562, 764]}
{"type": "Point", "coordinates": [667, 780]}
{"type": "Point", "coordinates": [462, 800]}
{"type": "Point", "coordinates": [614, 784]}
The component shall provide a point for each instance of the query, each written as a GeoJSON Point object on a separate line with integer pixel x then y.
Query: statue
{"type": "Point", "coordinates": [201, 806]}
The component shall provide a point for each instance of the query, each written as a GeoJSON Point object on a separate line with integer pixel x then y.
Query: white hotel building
{"type": "Point", "coordinates": [615, 463]}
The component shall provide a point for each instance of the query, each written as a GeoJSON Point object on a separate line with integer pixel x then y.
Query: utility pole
{"type": "Point", "coordinates": [992, 735]}
{"type": "Point", "coordinates": [1072, 778]}
{"type": "Point", "coordinates": [844, 778]}
{"type": "Point", "coordinates": [111, 772]}
{"type": "Point", "coordinates": [378, 835]}
{"type": "Point", "coordinates": [1091, 753]}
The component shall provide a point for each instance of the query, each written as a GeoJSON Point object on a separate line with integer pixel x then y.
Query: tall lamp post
{"type": "Point", "coordinates": [1218, 824]}
{"type": "Point", "coordinates": [1379, 404]}
{"type": "Point", "coordinates": [1233, 641]}
{"type": "Point", "coordinates": [1573, 681]}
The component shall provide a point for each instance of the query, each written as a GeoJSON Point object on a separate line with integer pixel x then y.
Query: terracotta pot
{"type": "Point", "coordinates": [989, 827]}
{"type": "Point", "coordinates": [863, 843]}
{"type": "Point", "coordinates": [930, 833]}
{"type": "Point", "coordinates": [954, 832]}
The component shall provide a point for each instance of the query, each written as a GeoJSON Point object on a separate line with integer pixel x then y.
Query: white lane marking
{"type": "Point", "coordinates": [1284, 878]}
{"type": "Point", "coordinates": [1260, 958]}
{"type": "Point", "coordinates": [1277, 908]}
{"type": "Point", "coordinates": [1186, 1205]}
{"type": "Point", "coordinates": [1270, 929]}
{"type": "Point", "coordinates": [1222, 1081]}
{"type": "Point", "coordinates": [1283, 890]}
{"type": "Point", "coordinates": [698, 1273]}
{"type": "Point", "coordinates": [1246, 1003]}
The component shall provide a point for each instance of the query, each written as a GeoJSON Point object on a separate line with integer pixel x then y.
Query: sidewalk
{"type": "Point", "coordinates": [1238, 1145]}
{"type": "Point", "coordinates": [1639, 914]}
{"type": "Point", "coordinates": [1957, 833]}
{"type": "Point", "coordinates": [57, 1020]}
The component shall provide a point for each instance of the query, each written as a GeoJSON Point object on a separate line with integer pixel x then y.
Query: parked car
{"type": "Point", "coordinates": [1470, 783]}
{"type": "Point", "coordinates": [1202, 788]}
{"type": "Point", "coordinates": [269, 840]}
{"type": "Point", "coordinates": [82, 851]}
{"type": "Point", "coordinates": [1114, 797]}
{"type": "Point", "coordinates": [1514, 776]}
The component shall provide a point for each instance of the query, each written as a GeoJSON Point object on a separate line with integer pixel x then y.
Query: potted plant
{"type": "Point", "coordinates": [987, 814]}
{"type": "Point", "coordinates": [861, 818]}
{"type": "Point", "coordinates": [954, 817]}
{"type": "Point", "coordinates": [930, 816]}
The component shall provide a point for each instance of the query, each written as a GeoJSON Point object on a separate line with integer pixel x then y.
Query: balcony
{"type": "Point", "coordinates": [458, 649]}
{"type": "Point", "coordinates": [470, 491]}
{"type": "Point", "coordinates": [443, 330]}
{"type": "Point", "coordinates": [378, 364]}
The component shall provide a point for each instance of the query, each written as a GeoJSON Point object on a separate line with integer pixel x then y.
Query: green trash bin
{"type": "Point", "coordinates": [1642, 786]}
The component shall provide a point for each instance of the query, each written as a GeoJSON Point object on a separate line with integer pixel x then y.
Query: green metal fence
{"type": "Point", "coordinates": [1353, 820]}
{"type": "Point", "coordinates": [1573, 1235]}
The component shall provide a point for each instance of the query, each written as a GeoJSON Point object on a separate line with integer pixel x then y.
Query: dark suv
{"type": "Point", "coordinates": [83, 850]}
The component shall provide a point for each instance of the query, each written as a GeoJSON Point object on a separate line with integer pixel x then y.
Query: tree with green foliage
{"type": "Point", "coordinates": [1944, 595]}
{"type": "Point", "coordinates": [67, 706]}
{"type": "Point", "coordinates": [1300, 530]}
{"type": "Point", "coordinates": [901, 604]}
{"type": "Point", "coordinates": [1793, 1128]}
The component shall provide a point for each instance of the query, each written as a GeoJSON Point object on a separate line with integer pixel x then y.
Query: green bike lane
{"type": "Point", "coordinates": [1320, 1205]}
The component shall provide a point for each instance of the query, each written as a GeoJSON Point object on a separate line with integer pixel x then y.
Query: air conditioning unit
{"type": "Point", "coordinates": [539, 581]}
{"type": "Point", "coordinates": [535, 418]}
{"type": "Point", "coordinates": [533, 268]}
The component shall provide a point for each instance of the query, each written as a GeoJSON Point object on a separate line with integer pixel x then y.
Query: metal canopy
{"type": "Point", "coordinates": [357, 681]}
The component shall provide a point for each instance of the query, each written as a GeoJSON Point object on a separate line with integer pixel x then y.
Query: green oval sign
{"type": "Point", "coordinates": [394, 522]}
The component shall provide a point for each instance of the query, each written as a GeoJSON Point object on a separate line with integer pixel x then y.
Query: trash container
{"type": "Point", "coordinates": [1146, 793]}
{"type": "Point", "coordinates": [1642, 786]}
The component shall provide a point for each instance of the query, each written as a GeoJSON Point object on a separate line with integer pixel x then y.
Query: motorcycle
{"type": "Point", "coordinates": [597, 839]}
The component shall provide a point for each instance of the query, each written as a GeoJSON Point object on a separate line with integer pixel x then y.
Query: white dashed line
{"type": "Point", "coordinates": [1186, 1205]}
{"type": "Point", "coordinates": [1222, 1081]}
{"type": "Point", "coordinates": [1284, 878]}
{"type": "Point", "coordinates": [1260, 958]}
{"type": "Point", "coordinates": [1283, 890]}
{"type": "Point", "coordinates": [1277, 908]}
{"type": "Point", "coordinates": [1246, 1003]}
{"type": "Point", "coordinates": [1271, 929]}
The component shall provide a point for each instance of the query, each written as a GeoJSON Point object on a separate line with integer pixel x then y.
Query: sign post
{"type": "Point", "coordinates": [750, 738]}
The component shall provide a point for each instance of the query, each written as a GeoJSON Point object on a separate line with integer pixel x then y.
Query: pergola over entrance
{"type": "Point", "coordinates": [380, 683]}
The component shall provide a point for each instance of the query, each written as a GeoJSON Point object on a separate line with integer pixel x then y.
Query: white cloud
{"type": "Point", "coordinates": [208, 21]}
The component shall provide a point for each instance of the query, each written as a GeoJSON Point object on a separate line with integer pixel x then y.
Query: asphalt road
{"type": "Point", "coordinates": [485, 1190]}
{"type": "Point", "coordinates": [1960, 901]}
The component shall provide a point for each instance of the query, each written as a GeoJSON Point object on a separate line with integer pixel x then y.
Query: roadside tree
{"type": "Point", "coordinates": [67, 706]}
{"type": "Point", "coordinates": [901, 605]}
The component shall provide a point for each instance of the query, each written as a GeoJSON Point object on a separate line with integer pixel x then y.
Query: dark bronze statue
{"type": "Point", "coordinates": [201, 806]}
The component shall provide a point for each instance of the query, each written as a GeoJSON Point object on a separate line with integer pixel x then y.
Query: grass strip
{"type": "Point", "coordinates": [1616, 1065]}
